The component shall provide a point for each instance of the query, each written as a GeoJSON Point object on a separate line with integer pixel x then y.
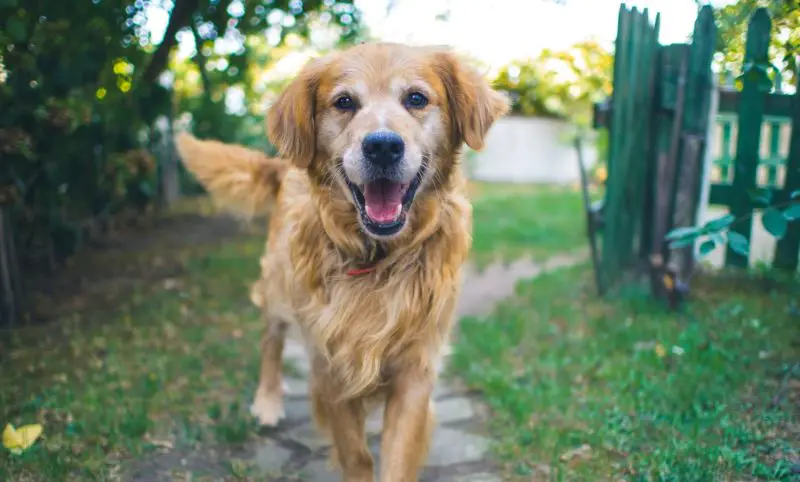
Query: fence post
{"type": "Point", "coordinates": [619, 98]}
{"type": "Point", "coordinates": [751, 115]}
{"type": "Point", "coordinates": [786, 252]}
{"type": "Point", "coordinates": [708, 160]}
{"type": "Point", "coordinates": [632, 101]}
{"type": "Point", "coordinates": [687, 184]}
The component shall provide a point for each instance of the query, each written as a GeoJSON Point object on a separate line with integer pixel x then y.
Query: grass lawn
{"type": "Point", "coordinates": [514, 220]}
{"type": "Point", "coordinates": [160, 349]}
{"type": "Point", "coordinates": [584, 389]}
{"type": "Point", "coordinates": [171, 362]}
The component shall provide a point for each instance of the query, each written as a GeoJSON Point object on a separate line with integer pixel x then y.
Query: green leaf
{"type": "Point", "coordinates": [16, 29]}
{"type": "Point", "coordinates": [707, 246]}
{"type": "Point", "coordinates": [795, 195]}
{"type": "Point", "coordinates": [681, 233]}
{"type": "Point", "coordinates": [792, 213]}
{"type": "Point", "coordinates": [774, 223]}
{"type": "Point", "coordinates": [681, 242]}
{"type": "Point", "coordinates": [738, 243]}
{"type": "Point", "coordinates": [762, 197]}
{"type": "Point", "coordinates": [8, 3]}
{"type": "Point", "coordinates": [719, 223]}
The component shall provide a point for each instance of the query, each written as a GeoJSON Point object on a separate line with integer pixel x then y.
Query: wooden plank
{"type": "Point", "coordinates": [623, 244]}
{"type": "Point", "coordinates": [617, 134]}
{"type": "Point", "coordinates": [620, 53]}
{"type": "Point", "coordinates": [672, 69]}
{"type": "Point", "coordinates": [751, 114]}
{"type": "Point", "coordinates": [687, 187]}
{"type": "Point", "coordinates": [643, 103]}
{"type": "Point", "coordinates": [725, 194]}
{"type": "Point", "coordinates": [639, 132]}
{"type": "Point", "coordinates": [708, 155]}
{"type": "Point", "coordinates": [650, 156]}
{"type": "Point", "coordinates": [786, 251]}
{"type": "Point", "coordinates": [777, 105]}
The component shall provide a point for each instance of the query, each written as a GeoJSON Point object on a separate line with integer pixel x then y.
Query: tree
{"type": "Point", "coordinates": [559, 84]}
{"type": "Point", "coordinates": [784, 48]}
{"type": "Point", "coordinates": [80, 93]}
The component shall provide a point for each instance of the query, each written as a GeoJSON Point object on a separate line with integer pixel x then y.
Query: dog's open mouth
{"type": "Point", "coordinates": [383, 204]}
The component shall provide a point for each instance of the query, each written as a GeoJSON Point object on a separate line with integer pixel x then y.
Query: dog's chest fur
{"type": "Point", "coordinates": [396, 315]}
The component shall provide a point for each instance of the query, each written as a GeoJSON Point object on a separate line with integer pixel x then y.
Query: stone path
{"type": "Point", "coordinates": [459, 449]}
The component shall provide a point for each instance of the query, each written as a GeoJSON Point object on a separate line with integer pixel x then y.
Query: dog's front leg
{"type": "Point", "coordinates": [407, 425]}
{"type": "Point", "coordinates": [347, 420]}
{"type": "Point", "coordinates": [268, 404]}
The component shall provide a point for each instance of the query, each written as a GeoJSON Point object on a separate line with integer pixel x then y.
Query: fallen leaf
{"type": "Point", "coordinates": [583, 452]}
{"type": "Point", "coordinates": [22, 438]}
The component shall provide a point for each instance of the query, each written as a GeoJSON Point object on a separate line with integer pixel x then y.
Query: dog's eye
{"type": "Point", "coordinates": [345, 102]}
{"type": "Point", "coordinates": [415, 100]}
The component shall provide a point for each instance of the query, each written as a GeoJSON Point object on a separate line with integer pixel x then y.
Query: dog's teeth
{"type": "Point", "coordinates": [398, 210]}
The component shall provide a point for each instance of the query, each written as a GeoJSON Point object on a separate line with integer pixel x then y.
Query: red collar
{"type": "Point", "coordinates": [375, 254]}
{"type": "Point", "coordinates": [360, 271]}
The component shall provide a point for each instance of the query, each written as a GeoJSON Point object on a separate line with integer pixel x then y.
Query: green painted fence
{"type": "Point", "coordinates": [759, 147]}
{"type": "Point", "coordinates": [657, 120]}
{"type": "Point", "coordinates": [660, 131]}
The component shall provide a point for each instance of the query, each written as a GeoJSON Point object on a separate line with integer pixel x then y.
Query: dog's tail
{"type": "Point", "coordinates": [242, 179]}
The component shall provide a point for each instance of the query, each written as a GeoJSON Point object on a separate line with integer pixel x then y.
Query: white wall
{"type": "Point", "coordinates": [528, 149]}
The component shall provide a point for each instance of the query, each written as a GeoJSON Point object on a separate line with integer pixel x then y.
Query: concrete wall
{"type": "Point", "coordinates": [528, 149]}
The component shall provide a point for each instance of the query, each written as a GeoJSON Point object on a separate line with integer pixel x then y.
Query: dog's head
{"type": "Point", "coordinates": [383, 122]}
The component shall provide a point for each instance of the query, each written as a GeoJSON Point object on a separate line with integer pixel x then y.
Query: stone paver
{"type": "Point", "coordinates": [450, 447]}
{"type": "Point", "coordinates": [270, 456]}
{"type": "Point", "coordinates": [458, 452]}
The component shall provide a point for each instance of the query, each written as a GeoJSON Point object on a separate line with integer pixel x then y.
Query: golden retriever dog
{"type": "Point", "coordinates": [369, 227]}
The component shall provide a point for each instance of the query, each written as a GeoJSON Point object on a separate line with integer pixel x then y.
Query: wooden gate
{"type": "Point", "coordinates": [659, 121]}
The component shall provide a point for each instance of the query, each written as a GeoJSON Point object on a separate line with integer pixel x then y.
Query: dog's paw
{"type": "Point", "coordinates": [268, 409]}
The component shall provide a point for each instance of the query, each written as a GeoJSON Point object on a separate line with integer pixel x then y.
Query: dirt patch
{"type": "Point", "coordinates": [109, 270]}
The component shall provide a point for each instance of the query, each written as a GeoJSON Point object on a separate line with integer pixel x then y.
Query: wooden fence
{"type": "Point", "coordinates": [759, 148]}
{"type": "Point", "coordinates": [659, 121]}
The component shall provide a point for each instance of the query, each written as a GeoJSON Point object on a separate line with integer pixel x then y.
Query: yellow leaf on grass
{"type": "Point", "coordinates": [20, 439]}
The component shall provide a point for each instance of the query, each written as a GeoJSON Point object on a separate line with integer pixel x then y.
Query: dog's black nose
{"type": "Point", "coordinates": [383, 148]}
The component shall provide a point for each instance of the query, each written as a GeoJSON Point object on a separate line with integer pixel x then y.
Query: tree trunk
{"type": "Point", "coordinates": [180, 18]}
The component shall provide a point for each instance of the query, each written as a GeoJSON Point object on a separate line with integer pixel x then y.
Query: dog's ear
{"type": "Point", "coordinates": [290, 120]}
{"type": "Point", "coordinates": [474, 105]}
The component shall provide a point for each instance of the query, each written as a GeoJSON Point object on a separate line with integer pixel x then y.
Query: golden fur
{"type": "Point", "coordinates": [376, 336]}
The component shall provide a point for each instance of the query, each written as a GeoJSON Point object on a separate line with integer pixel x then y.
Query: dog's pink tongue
{"type": "Point", "coordinates": [383, 201]}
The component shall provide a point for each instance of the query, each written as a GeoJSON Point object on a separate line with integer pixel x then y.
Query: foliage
{"type": "Point", "coordinates": [617, 388]}
{"type": "Point", "coordinates": [559, 84]}
{"type": "Point", "coordinates": [732, 21]}
{"type": "Point", "coordinates": [775, 219]}
{"type": "Point", "coordinates": [81, 88]}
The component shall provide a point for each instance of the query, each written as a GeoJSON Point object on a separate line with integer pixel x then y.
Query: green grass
{"type": "Point", "coordinates": [514, 220]}
{"type": "Point", "coordinates": [173, 361]}
{"type": "Point", "coordinates": [172, 366]}
{"type": "Point", "coordinates": [708, 394]}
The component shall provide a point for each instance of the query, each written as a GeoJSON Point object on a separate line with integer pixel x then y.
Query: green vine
{"type": "Point", "coordinates": [775, 219]}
